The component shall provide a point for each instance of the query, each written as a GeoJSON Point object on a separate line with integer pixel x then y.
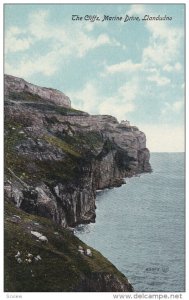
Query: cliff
{"type": "Point", "coordinates": [56, 157]}
{"type": "Point", "coordinates": [55, 264]}
{"type": "Point", "coordinates": [19, 85]}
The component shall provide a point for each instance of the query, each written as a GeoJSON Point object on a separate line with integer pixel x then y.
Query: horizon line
{"type": "Point", "coordinates": [167, 151]}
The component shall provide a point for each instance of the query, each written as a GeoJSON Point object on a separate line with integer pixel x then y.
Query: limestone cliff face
{"type": "Point", "coordinates": [19, 85]}
{"type": "Point", "coordinates": [56, 157]}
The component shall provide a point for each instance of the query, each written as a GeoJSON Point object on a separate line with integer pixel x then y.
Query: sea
{"type": "Point", "coordinates": [140, 226]}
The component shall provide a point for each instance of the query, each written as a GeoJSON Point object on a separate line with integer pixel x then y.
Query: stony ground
{"type": "Point", "coordinates": [56, 264]}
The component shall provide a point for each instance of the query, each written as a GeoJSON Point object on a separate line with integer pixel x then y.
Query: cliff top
{"type": "Point", "coordinates": [15, 84]}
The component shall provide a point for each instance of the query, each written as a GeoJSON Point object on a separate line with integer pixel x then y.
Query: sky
{"type": "Point", "coordinates": [133, 70]}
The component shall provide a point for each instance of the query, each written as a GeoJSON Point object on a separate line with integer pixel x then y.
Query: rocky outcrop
{"type": "Point", "coordinates": [19, 85]}
{"type": "Point", "coordinates": [103, 282]}
{"type": "Point", "coordinates": [57, 157]}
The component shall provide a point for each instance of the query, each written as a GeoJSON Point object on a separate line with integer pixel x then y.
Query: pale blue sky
{"type": "Point", "coordinates": [132, 70]}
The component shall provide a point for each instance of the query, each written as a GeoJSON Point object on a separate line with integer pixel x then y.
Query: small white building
{"type": "Point", "coordinates": [125, 122]}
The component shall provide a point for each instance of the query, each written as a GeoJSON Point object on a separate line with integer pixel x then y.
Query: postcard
{"type": "Point", "coordinates": [94, 149]}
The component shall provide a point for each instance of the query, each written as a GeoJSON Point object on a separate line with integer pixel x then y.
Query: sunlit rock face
{"type": "Point", "coordinates": [56, 157]}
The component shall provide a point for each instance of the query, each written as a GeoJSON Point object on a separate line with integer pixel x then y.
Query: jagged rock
{"type": "Point", "coordinates": [37, 258]}
{"type": "Point", "coordinates": [18, 254]}
{"type": "Point", "coordinates": [18, 85]}
{"type": "Point", "coordinates": [15, 220]}
{"type": "Point", "coordinates": [89, 253]}
{"type": "Point", "coordinates": [40, 236]}
{"type": "Point", "coordinates": [19, 260]}
{"type": "Point", "coordinates": [65, 155]}
{"type": "Point", "coordinates": [37, 234]}
{"type": "Point", "coordinates": [14, 193]}
{"type": "Point", "coordinates": [103, 282]}
{"type": "Point", "coordinates": [81, 251]}
{"type": "Point", "coordinates": [29, 255]}
{"type": "Point", "coordinates": [43, 238]}
{"type": "Point", "coordinates": [17, 217]}
{"type": "Point", "coordinates": [36, 223]}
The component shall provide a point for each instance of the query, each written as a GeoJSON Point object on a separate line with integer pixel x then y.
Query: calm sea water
{"type": "Point", "coordinates": [140, 226]}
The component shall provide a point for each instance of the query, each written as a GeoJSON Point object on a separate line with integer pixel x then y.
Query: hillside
{"type": "Point", "coordinates": [56, 158]}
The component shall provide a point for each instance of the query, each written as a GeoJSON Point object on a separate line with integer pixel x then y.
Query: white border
{"type": "Point", "coordinates": [86, 296]}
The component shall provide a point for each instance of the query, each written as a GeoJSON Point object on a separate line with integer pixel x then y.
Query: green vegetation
{"type": "Point", "coordinates": [59, 143]}
{"type": "Point", "coordinates": [38, 170]}
{"type": "Point", "coordinates": [91, 138]}
{"type": "Point", "coordinates": [25, 96]}
{"type": "Point", "coordinates": [28, 99]}
{"type": "Point", "coordinates": [50, 172]}
{"type": "Point", "coordinates": [85, 141]}
{"type": "Point", "coordinates": [76, 149]}
{"type": "Point", "coordinates": [68, 111]}
{"type": "Point", "coordinates": [12, 138]}
{"type": "Point", "coordinates": [48, 107]}
{"type": "Point", "coordinates": [61, 267]}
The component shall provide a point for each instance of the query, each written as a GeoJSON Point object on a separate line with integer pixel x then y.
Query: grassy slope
{"type": "Point", "coordinates": [62, 266]}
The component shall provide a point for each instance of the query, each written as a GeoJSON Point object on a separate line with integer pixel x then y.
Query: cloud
{"type": "Point", "coordinates": [119, 110]}
{"type": "Point", "coordinates": [119, 104]}
{"type": "Point", "coordinates": [170, 68]}
{"type": "Point", "coordinates": [126, 66]}
{"type": "Point", "coordinates": [136, 10]}
{"type": "Point", "coordinates": [86, 99]}
{"type": "Point", "coordinates": [38, 25]}
{"type": "Point", "coordinates": [128, 91]}
{"type": "Point", "coordinates": [159, 80]}
{"type": "Point", "coordinates": [17, 40]}
{"type": "Point", "coordinates": [45, 64]}
{"type": "Point", "coordinates": [164, 43]}
{"type": "Point", "coordinates": [79, 39]}
{"type": "Point", "coordinates": [89, 26]}
{"type": "Point", "coordinates": [170, 108]}
{"type": "Point", "coordinates": [84, 43]}
{"type": "Point", "coordinates": [164, 137]}
{"type": "Point", "coordinates": [61, 42]}
{"type": "Point", "coordinates": [159, 55]}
